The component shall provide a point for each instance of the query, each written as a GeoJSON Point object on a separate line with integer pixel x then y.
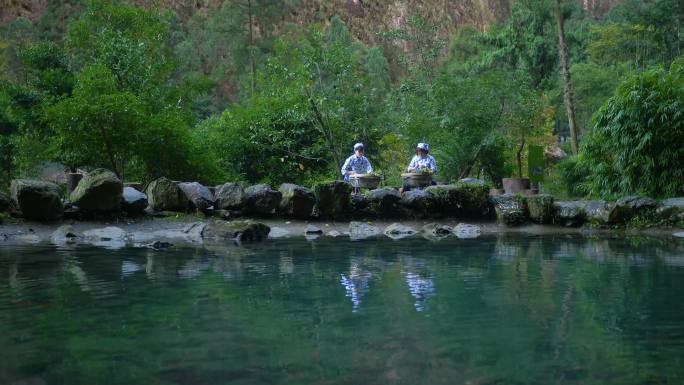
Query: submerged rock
{"type": "Point", "coordinates": [297, 201]}
{"type": "Point", "coordinates": [333, 199]}
{"type": "Point", "coordinates": [436, 231]}
{"type": "Point", "coordinates": [466, 231]}
{"type": "Point", "coordinates": [229, 196]}
{"type": "Point", "coordinates": [109, 237]}
{"type": "Point", "coordinates": [66, 234]}
{"type": "Point", "coordinates": [399, 231]}
{"type": "Point", "coordinates": [278, 232]}
{"type": "Point", "coordinates": [600, 212]}
{"type": "Point", "coordinates": [199, 196]}
{"type": "Point", "coordinates": [362, 230]}
{"type": "Point", "coordinates": [133, 201]}
{"type": "Point", "coordinates": [241, 231]}
{"type": "Point", "coordinates": [671, 210]}
{"type": "Point", "coordinates": [540, 208]}
{"type": "Point", "coordinates": [99, 191]}
{"type": "Point", "coordinates": [164, 195]}
{"type": "Point", "coordinates": [418, 203]}
{"type": "Point", "coordinates": [37, 200]}
{"type": "Point", "coordinates": [511, 209]}
{"type": "Point", "coordinates": [569, 213]}
{"type": "Point", "coordinates": [311, 229]}
{"type": "Point", "coordinates": [384, 202]}
{"type": "Point", "coordinates": [261, 199]}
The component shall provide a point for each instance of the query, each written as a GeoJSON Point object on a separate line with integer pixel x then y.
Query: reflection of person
{"type": "Point", "coordinates": [420, 280]}
{"type": "Point", "coordinates": [421, 162]}
{"type": "Point", "coordinates": [356, 283]}
{"type": "Point", "coordinates": [357, 163]}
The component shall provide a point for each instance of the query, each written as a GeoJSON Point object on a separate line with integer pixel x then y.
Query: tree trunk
{"type": "Point", "coordinates": [518, 155]}
{"type": "Point", "coordinates": [567, 83]}
{"type": "Point", "coordinates": [252, 60]}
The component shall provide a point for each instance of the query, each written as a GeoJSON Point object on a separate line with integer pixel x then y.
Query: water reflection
{"type": "Point", "coordinates": [420, 280]}
{"type": "Point", "coordinates": [356, 281]}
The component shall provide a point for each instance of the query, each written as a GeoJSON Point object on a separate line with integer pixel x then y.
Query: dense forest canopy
{"type": "Point", "coordinates": [273, 91]}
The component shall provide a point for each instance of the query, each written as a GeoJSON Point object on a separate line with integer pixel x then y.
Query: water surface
{"type": "Point", "coordinates": [496, 310]}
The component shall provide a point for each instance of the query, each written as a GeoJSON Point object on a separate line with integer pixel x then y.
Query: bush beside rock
{"type": "Point", "coordinates": [297, 201]}
{"type": "Point", "coordinates": [261, 199]}
{"type": "Point", "coordinates": [333, 199]}
{"type": "Point", "coordinates": [164, 195]}
{"type": "Point", "coordinates": [37, 200]}
{"type": "Point", "coordinates": [99, 191]}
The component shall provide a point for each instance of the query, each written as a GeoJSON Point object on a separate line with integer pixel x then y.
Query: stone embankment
{"type": "Point", "coordinates": [101, 194]}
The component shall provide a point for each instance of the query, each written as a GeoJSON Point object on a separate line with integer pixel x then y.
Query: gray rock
{"type": "Point", "coordinates": [540, 208]}
{"type": "Point", "coordinates": [600, 212]}
{"type": "Point", "coordinates": [164, 195]}
{"type": "Point", "coordinates": [399, 231]}
{"type": "Point", "coordinates": [261, 199]}
{"type": "Point", "coordinates": [671, 210]}
{"type": "Point", "coordinates": [37, 200]}
{"type": "Point", "coordinates": [461, 199]}
{"type": "Point", "coordinates": [100, 190]}
{"type": "Point", "coordinates": [418, 203]}
{"type": "Point", "coordinates": [511, 209]}
{"type": "Point", "coordinates": [569, 213]}
{"type": "Point", "coordinates": [278, 232]}
{"type": "Point", "coordinates": [679, 234]}
{"type": "Point", "coordinates": [311, 229]}
{"type": "Point", "coordinates": [472, 180]}
{"type": "Point", "coordinates": [229, 196]}
{"type": "Point", "coordinates": [633, 206]}
{"type": "Point", "coordinates": [334, 233]}
{"type": "Point", "coordinates": [466, 231]}
{"type": "Point", "coordinates": [333, 199]}
{"type": "Point", "coordinates": [362, 230]}
{"type": "Point", "coordinates": [436, 231]}
{"type": "Point", "coordinates": [133, 201]}
{"type": "Point", "coordinates": [158, 245]}
{"type": "Point", "coordinates": [384, 202]}
{"type": "Point", "coordinates": [240, 231]}
{"type": "Point", "coordinates": [198, 195]}
{"type": "Point", "coordinates": [66, 234]}
{"type": "Point", "coordinates": [296, 201]}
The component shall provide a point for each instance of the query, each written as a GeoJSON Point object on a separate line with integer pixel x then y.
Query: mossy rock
{"type": "Point", "coordinates": [164, 195]}
{"type": "Point", "coordinates": [297, 201]}
{"type": "Point", "coordinates": [37, 200]}
{"type": "Point", "coordinates": [461, 199]}
{"type": "Point", "coordinates": [671, 210]}
{"type": "Point", "coordinates": [600, 213]}
{"type": "Point", "coordinates": [333, 199]}
{"type": "Point", "coordinates": [99, 191]}
{"type": "Point", "coordinates": [384, 202]}
{"type": "Point", "coordinates": [569, 213]}
{"type": "Point", "coordinates": [511, 209]}
{"type": "Point", "coordinates": [540, 208]}
{"type": "Point", "coordinates": [261, 199]}
{"type": "Point", "coordinates": [418, 203]}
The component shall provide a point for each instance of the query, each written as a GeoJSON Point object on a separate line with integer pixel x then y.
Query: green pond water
{"type": "Point", "coordinates": [495, 310]}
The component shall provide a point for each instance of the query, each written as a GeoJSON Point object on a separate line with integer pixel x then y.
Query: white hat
{"type": "Point", "coordinates": [423, 146]}
{"type": "Point", "coordinates": [358, 145]}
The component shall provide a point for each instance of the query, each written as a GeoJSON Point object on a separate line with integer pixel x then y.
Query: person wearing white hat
{"type": "Point", "coordinates": [357, 163]}
{"type": "Point", "coordinates": [421, 161]}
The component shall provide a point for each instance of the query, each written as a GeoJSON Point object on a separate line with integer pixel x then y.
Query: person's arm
{"type": "Point", "coordinates": [412, 165]}
{"type": "Point", "coordinates": [433, 165]}
{"type": "Point", "coordinates": [369, 168]}
{"type": "Point", "coordinates": [345, 167]}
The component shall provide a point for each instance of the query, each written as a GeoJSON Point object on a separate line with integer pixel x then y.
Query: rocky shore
{"type": "Point", "coordinates": [102, 209]}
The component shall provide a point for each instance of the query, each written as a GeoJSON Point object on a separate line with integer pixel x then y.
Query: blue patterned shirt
{"type": "Point", "coordinates": [358, 164]}
{"type": "Point", "coordinates": [418, 162]}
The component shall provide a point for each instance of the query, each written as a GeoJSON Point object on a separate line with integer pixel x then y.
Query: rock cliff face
{"type": "Point", "coordinates": [363, 17]}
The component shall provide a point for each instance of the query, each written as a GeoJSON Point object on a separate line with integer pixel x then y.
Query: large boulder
{"type": "Point", "coordinates": [199, 196]}
{"type": "Point", "coordinates": [100, 190]}
{"type": "Point", "coordinates": [362, 230]}
{"type": "Point", "coordinates": [463, 199]}
{"type": "Point", "coordinates": [229, 196]}
{"type": "Point", "coordinates": [241, 231]}
{"type": "Point", "coordinates": [37, 200]}
{"type": "Point", "coordinates": [671, 210]}
{"type": "Point", "coordinates": [384, 202]}
{"type": "Point", "coordinates": [399, 231]}
{"type": "Point", "coordinates": [600, 212]}
{"type": "Point", "coordinates": [418, 203]}
{"type": "Point", "coordinates": [164, 194]}
{"type": "Point", "coordinates": [511, 209]}
{"type": "Point", "coordinates": [540, 208]}
{"type": "Point", "coordinates": [333, 199]}
{"type": "Point", "coordinates": [634, 206]}
{"type": "Point", "coordinates": [261, 199]}
{"type": "Point", "coordinates": [133, 201]}
{"type": "Point", "coordinates": [569, 213]}
{"type": "Point", "coordinates": [447, 199]}
{"type": "Point", "coordinates": [296, 201]}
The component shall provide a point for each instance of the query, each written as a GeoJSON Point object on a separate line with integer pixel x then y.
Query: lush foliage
{"type": "Point", "coordinates": [637, 145]}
